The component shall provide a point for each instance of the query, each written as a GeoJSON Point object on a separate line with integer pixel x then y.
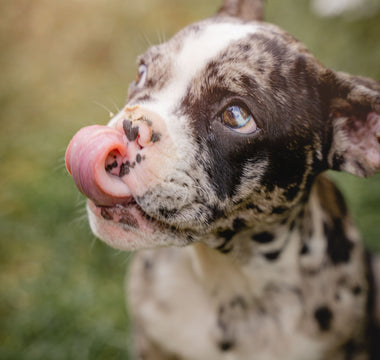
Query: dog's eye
{"type": "Point", "coordinates": [239, 119]}
{"type": "Point", "coordinates": [141, 75]}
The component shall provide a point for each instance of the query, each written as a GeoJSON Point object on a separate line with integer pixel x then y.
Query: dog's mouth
{"type": "Point", "coordinates": [128, 215]}
{"type": "Point", "coordinates": [123, 169]}
{"type": "Point", "coordinates": [121, 213]}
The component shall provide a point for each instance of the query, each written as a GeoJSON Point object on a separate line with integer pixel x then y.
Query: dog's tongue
{"type": "Point", "coordinates": [93, 159]}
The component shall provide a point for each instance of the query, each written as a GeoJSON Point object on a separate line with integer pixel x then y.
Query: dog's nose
{"type": "Point", "coordinates": [140, 125]}
{"type": "Point", "coordinates": [99, 158]}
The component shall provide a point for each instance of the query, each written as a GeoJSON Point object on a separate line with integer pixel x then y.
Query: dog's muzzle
{"type": "Point", "coordinates": [102, 159]}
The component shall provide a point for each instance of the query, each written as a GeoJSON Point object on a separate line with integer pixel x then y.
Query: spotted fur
{"type": "Point", "coordinates": [265, 262]}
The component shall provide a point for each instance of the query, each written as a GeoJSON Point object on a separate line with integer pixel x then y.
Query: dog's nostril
{"type": "Point", "coordinates": [131, 131]}
{"type": "Point", "coordinates": [139, 131]}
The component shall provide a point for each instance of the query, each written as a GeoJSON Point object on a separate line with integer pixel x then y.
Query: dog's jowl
{"type": "Point", "coordinates": [213, 170]}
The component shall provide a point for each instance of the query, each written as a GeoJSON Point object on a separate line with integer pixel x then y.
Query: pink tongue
{"type": "Point", "coordinates": [90, 151]}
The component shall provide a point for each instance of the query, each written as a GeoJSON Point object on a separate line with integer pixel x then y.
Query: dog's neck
{"type": "Point", "coordinates": [286, 249]}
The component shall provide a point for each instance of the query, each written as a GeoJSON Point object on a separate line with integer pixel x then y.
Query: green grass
{"type": "Point", "coordinates": [62, 291]}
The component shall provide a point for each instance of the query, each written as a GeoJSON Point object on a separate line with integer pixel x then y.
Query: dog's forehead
{"type": "Point", "coordinates": [205, 41]}
{"type": "Point", "coordinates": [188, 53]}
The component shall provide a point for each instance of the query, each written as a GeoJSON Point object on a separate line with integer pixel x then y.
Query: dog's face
{"type": "Point", "coordinates": [228, 120]}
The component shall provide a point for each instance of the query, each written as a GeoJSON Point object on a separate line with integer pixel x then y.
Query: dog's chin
{"type": "Point", "coordinates": [125, 227]}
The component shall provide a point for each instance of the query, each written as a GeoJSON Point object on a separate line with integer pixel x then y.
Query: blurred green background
{"type": "Point", "coordinates": [67, 64]}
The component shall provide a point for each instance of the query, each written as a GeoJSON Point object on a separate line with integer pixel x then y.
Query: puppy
{"type": "Point", "coordinates": [213, 170]}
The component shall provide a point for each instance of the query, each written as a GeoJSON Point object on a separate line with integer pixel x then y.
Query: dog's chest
{"type": "Point", "coordinates": [220, 319]}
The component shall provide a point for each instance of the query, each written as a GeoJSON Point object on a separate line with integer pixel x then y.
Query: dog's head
{"type": "Point", "coordinates": [232, 115]}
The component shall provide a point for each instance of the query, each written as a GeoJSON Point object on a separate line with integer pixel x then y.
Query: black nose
{"type": "Point", "coordinates": [130, 131]}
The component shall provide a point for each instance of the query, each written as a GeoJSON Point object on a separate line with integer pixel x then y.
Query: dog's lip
{"type": "Point", "coordinates": [127, 214]}
{"type": "Point", "coordinates": [121, 209]}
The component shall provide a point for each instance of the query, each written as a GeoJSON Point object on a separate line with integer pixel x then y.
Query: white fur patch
{"type": "Point", "coordinates": [198, 49]}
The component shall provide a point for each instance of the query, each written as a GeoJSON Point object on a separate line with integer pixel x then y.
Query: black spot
{"type": "Point", "coordinates": [106, 214]}
{"type": "Point", "coordinates": [130, 131]}
{"type": "Point", "coordinates": [338, 162]}
{"type": "Point", "coordinates": [166, 213]}
{"type": "Point", "coordinates": [253, 207]}
{"type": "Point", "coordinates": [190, 237]}
{"type": "Point", "coordinates": [155, 137]}
{"type": "Point", "coordinates": [238, 224]}
{"type": "Point", "coordinates": [339, 247]}
{"type": "Point", "coordinates": [273, 255]}
{"type": "Point", "coordinates": [357, 290]}
{"type": "Point", "coordinates": [138, 158]}
{"type": "Point", "coordinates": [291, 192]}
{"type": "Point", "coordinates": [111, 166]}
{"type": "Point", "coordinates": [129, 220]}
{"type": "Point", "coordinates": [246, 47]}
{"type": "Point", "coordinates": [226, 234]}
{"type": "Point", "coordinates": [279, 210]}
{"type": "Point", "coordinates": [143, 98]}
{"type": "Point", "coordinates": [226, 345]}
{"type": "Point", "coordinates": [125, 169]}
{"type": "Point", "coordinates": [263, 238]}
{"type": "Point", "coordinates": [226, 250]}
{"type": "Point", "coordinates": [324, 317]}
{"type": "Point", "coordinates": [305, 249]}
{"type": "Point", "coordinates": [150, 83]}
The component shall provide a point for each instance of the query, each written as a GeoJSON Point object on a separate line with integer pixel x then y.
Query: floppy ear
{"type": "Point", "coordinates": [244, 9]}
{"type": "Point", "coordinates": [354, 124]}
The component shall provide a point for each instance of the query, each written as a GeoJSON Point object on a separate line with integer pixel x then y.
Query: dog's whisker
{"type": "Point", "coordinates": [147, 40]}
{"type": "Point", "coordinates": [116, 107]}
{"type": "Point", "coordinates": [93, 241]}
{"type": "Point", "coordinates": [60, 167]}
{"type": "Point", "coordinates": [108, 110]}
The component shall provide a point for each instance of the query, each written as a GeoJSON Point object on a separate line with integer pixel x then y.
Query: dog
{"type": "Point", "coordinates": [214, 171]}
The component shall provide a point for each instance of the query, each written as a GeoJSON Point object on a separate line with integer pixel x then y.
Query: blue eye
{"type": "Point", "coordinates": [141, 75]}
{"type": "Point", "coordinates": [239, 119]}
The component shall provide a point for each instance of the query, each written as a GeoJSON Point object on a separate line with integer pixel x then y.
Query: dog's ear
{"type": "Point", "coordinates": [243, 9]}
{"type": "Point", "coordinates": [353, 131]}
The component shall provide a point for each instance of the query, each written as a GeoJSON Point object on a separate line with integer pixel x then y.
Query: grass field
{"type": "Point", "coordinates": [67, 64]}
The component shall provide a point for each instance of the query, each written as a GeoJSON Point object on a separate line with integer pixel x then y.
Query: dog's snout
{"type": "Point", "coordinates": [101, 158]}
